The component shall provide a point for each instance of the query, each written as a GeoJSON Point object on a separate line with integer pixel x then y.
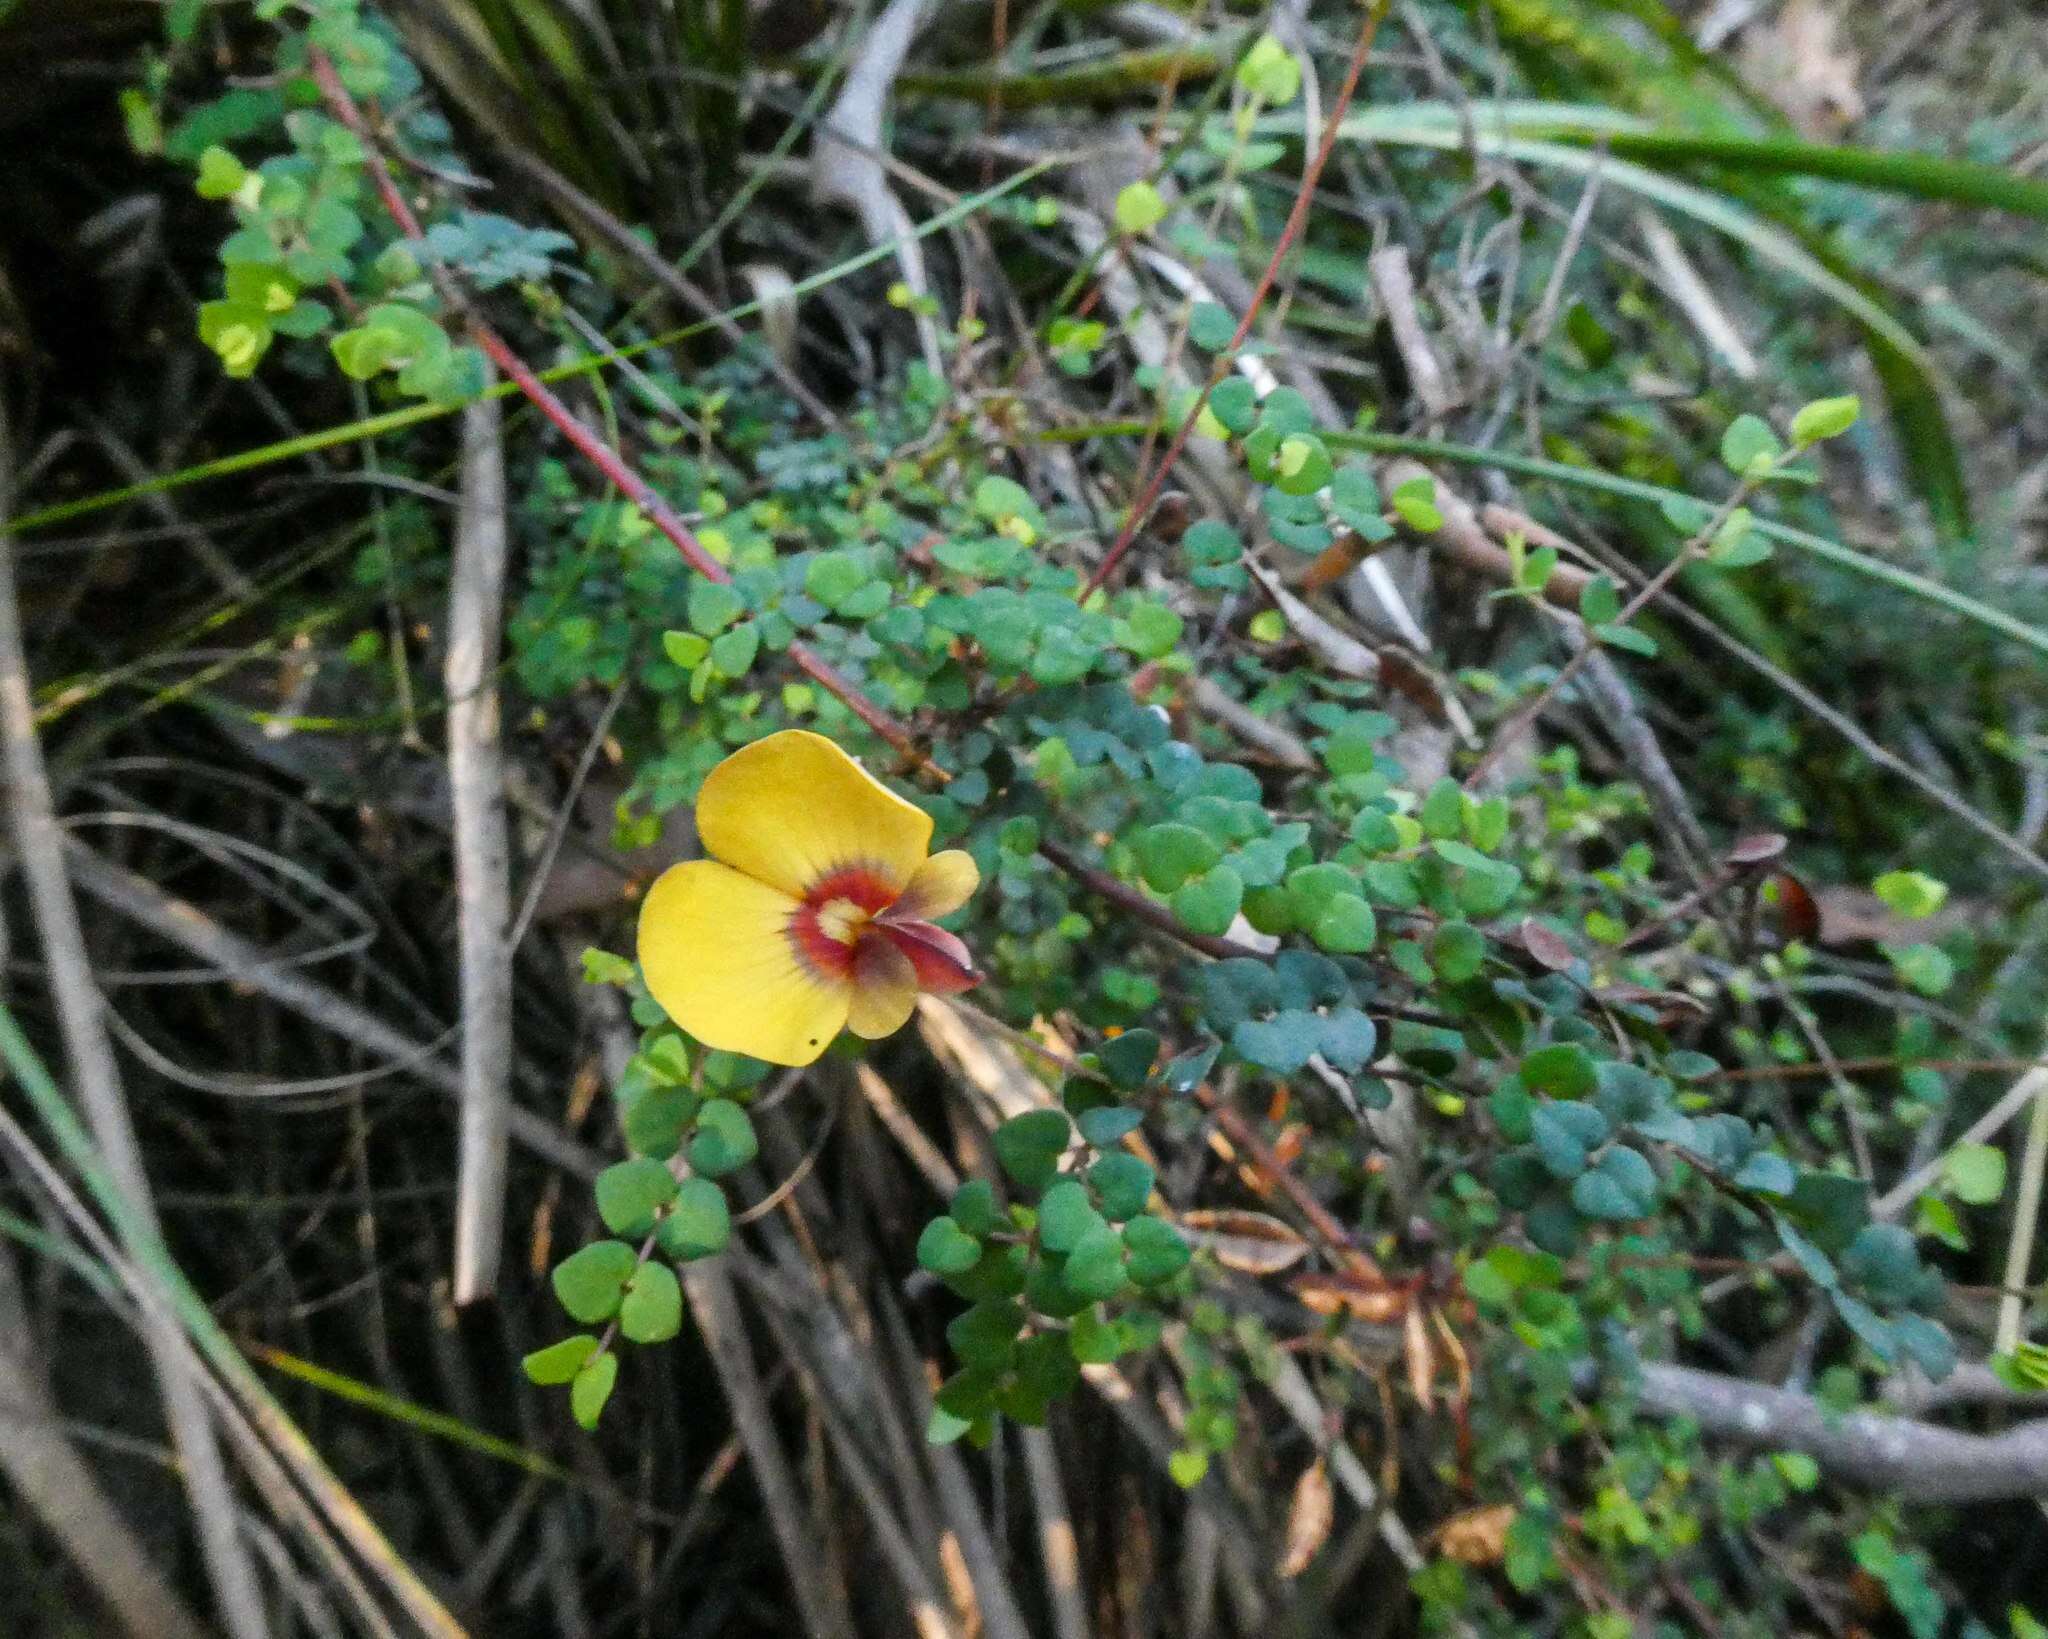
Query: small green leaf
{"type": "Point", "coordinates": [1128, 1058]}
{"type": "Point", "coordinates": [591, 1388]}
{"type": "Point", "coordinates": [1209, 903]}
{"type": "Point", "coordinates": [1065, 1215]}
{"type": "Point", "coordinates": [986, 1335]}
{"type": "Point", "coordinates": [1913, 894]}
{"type": "Point", "coordinates": [1415, 505]}
{"type": "Point", "coordinates": [1157, 1253]}
{"type": "Point", "coordinates": [1976, 1172]}
{"type": "Point", "coordinates": [733, 652]}
{"type": "Point", "coordinates": [590, 1283]}
{"type": "Point", "coordinates": [1095, 1266]}
{"type": "Point", "coordinates": [559, 1362]}
{"type": "Point", "coordinates": [1563, 1069]}
{"type": "Point", "coordinates": [1796, 1469]}
{"type": "Point", "coordinates": [725, 1139]}
{"type": "Point", "coordinates": [1210, 328]}
{"type": "Point", "coordinates": [973, 1207]}
{"type": "Point", "coordinates": [714, 605]}
{"type": "Point", "coordinates": [1169, 854]}
{"type": "Point", "coordinates": [1600, 602]}
{"type": "Point", "coordinates": [1825, 418]}
{"type": "Point", "coordinates": [631, 1193]}
{"type": "Point", "coordinates": [698, 1223]}
{"type": "Point", "coordinates": [1621, 1187]}
{"type": "Point", "coordinates": [652, 1311]}
{"type": "Point", "coordinates": [1123, 1182]}
{"type": "Point", "coordinates": [601, 967]}
{"type": "Point", "coordinates": [1618, 636]}
{"type": "Point", "coordinates": [1187, 1466]}
{"type": "Point", "coordinates": [1345, 925]}
{"type": "Point", "coordinates": [1749, 447]}
{"type": "Point", "coordinates": [1139, 208]}
{"type": "Point", "coordinates": [1030, 1145]}
{"type": "Point", "coordinates": [1924, 967]}
{"type": "Point", "coordinates": [1269, 72]}
{"type": "Point", "coordinates": [220, 174]}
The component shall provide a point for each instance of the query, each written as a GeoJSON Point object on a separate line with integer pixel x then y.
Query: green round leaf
{"type": "Point", "coordinates": [591, 1282]}
{"type": "Point", "coordinates": [652, 1311]}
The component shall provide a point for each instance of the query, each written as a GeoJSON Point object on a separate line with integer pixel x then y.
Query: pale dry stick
{"type": "Point", "coordinates": [1262, 734]}
{"type": "Point", "coordinates": [845, 161]}
{"type": "Point", "coordinates": [264, 1436]}
{"type": "Point", "coordinates": [483, 863]}
{"type": "Point", "coordinates": [1911, 1461]}
{"type": "Point", "coordinates": [96, 1079]}
{"type": "Point", "coordinates": [59, 1489]}
{"type": "Point", "coordinates": [2026, 1220]}
{"type": "Point", "coordinates": [1056, 1544]}
{"type": "Point", "coordinates": [1684, 285]}
{"type": "Point", "coordinates": [242, 962]}
{"type": "Point", "coordinates": [927, 1604]}
{"type": "Point", "coordinates": [820, 1605]}
{"type": "Point", "coordinates": [1338, 650]}
{"type": "Point", "coordinates": [1393, 282]}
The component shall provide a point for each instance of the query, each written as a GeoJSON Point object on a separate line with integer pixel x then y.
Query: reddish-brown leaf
{"type": "Point", "coordinates": [1547, 946]}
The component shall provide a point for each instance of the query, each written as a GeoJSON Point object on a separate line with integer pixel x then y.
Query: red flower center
{"type": "Point", "coordinates": [852, 907]}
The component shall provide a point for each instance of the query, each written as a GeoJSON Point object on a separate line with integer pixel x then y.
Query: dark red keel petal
{"type": "Point", "coordinates": [944, 965]}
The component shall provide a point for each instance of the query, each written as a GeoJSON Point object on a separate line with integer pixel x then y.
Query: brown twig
{"type": "Point", "coordinates": [594, 449]}
{"type": "Point", "coordinates": [1296, 219]}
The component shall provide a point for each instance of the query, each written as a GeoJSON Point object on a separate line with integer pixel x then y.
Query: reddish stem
{"type": "Point", "coordinates": [616, 469]}
{"type": "Point", "coordinates": [1296, 218]}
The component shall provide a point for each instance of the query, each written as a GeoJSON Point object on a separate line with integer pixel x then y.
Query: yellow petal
{"type": "Point", "coordinates": [939, 886]}
{"type": "Point", "coordinates": [884, 990]}
{"type": "Point", "coordinates": [792, 808]}
{"type": "Point", "coordinates": [717, 955]}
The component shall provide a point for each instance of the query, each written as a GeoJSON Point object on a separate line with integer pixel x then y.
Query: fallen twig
{"type": "Point", "coordinates": [483, 888]}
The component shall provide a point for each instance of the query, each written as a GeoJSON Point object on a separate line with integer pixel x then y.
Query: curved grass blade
{"type": "Point", "coordinates": [1819, 546]}
{"type": "Point", "coordinates": [412, 415]}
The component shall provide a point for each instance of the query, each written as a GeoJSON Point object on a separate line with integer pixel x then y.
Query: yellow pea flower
{"type": "Point", "coordinates": [813, 911]}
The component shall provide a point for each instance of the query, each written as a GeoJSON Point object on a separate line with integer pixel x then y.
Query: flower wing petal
{"type": "Point", "coordinates": [790, 809]}
{"type": "Point", "coordinates": [717, 955]}
{"type": "Point", "coordinates": [939, 886]}
{"type": "Point", "coordinates": [884, 990]}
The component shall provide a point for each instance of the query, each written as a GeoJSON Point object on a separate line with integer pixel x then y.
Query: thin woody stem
{"type": "Point", "coordinates": [1296, 218]}
{"type": "Point", "coordinates": [1648, 592]}
{"type": "Point", "coordinates": [616, 469]}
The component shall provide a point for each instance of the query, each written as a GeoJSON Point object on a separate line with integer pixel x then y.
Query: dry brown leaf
{"type": "Point", "coordinates": [1252, 1243]}
{"type": "Point", "coordinates": [1340, 1295]}
{"type": "Point", "coordinates": [1309, 1517]}
{"type": "Point", "coordinates": [1478, 1536]}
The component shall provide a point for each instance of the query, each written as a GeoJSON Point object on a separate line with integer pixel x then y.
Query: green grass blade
{"type": "Point", "coordinates": [413, 415]}
{"type": "Point", "coordinates": [1819, 546]}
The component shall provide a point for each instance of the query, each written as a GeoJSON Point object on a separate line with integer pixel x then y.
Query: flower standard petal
{"type": "Point", "coordinates": [792, 808]}
{"type": "Point", "coordinates": [939, 886]}
{"type": "Point", "coordinates": [716, 950]}
{"type": "Point", "coordinates": [884, 989]}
